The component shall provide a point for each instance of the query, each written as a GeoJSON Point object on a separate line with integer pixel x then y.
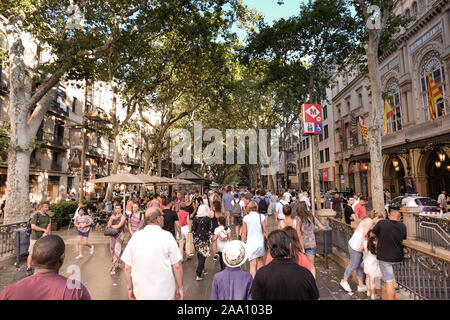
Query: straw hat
{"type": "Point", "coordinates": [234, 254]}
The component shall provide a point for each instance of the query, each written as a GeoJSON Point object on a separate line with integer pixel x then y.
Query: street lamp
{"type": "Point", "coordinates": [395, 162]}
{"type": "Point", "coordinates": [397, 168]}
{"type": "Point", "coordinates": [448, 168]}
{"type": "Point", "coordinates": [438, 164]}
{"type": "Point", "coordinates": [441, 156]}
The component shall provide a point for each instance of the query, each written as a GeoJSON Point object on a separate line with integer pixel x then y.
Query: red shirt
{"type": "Point", "coordinates": [360, 211]}
{"type": "Point", "coordinates": [182, 217]}
{"type": "Point", "coordinates": [45, 286]}
{"type": "Point", "coordinates": [302, 260]}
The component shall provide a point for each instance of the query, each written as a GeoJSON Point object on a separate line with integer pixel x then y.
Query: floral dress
{"type": "Point", "coordinates": [202, 229]}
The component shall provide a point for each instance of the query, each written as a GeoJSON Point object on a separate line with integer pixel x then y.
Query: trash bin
{"type": "Point", "coordinates": [324, 242]}
{"type": "Point", "coordinates": [21, 244]}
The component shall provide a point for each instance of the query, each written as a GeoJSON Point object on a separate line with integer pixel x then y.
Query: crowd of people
{"type": "Point", "coordinates": [166, 230]}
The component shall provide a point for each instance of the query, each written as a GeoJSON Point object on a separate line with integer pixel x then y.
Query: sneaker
{"type": "Point", "coordinates": [29, 271]}
{"type": "Point", "coordinates": [79, 257]}
{"type": "Point", "coordinates": [204, 272]}
{"type": "Point", "coordinates": [362, 288]}
{"type": "Point", "coordinates": [375, 297]}
{"type": "Point", "coordinates": [216, 256]}
{"type": "Point", "coordinates": [91, 250]}
{"type": "Point", "coordinates": [199, 278]}
{"type": "Point", "coordinates": [346, 286]}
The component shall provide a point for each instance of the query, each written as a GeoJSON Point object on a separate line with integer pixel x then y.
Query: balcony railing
{"type": "Point", "coordinates": [56, 167]}
{"type": "Point", "coordinates": [7, 236]}
{"type": "Point", "coordinates": [424, 275]}
{"type": "Point", "coordinates": [50, 138]}
{"type": "Point", "coordinates": [55, 107]}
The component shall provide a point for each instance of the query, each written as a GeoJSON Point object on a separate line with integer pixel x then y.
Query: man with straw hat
{"type": "Point", "coordinates": [232, 283]}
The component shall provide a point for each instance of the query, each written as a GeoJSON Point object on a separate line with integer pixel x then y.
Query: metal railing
{"type": "Point", "coordinates": [435, 231]}
{"type": "Point", "coordinates": [424, 275]}
{"type": "Point", "coordinates": [7, 236]}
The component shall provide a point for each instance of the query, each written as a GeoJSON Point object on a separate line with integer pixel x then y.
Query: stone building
{"type": "Point", "coordinates": [52, 170]}
{"type": "Point", "coordinates": [415, 151]}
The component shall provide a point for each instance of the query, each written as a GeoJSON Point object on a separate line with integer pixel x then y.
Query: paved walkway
{"type": "Point", "coordinates": [102, 286]}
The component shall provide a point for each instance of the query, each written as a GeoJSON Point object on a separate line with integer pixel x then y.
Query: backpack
{"type": "Point", "coordinates": [28, 231]}
{"type": "Point", "coordinates": [236, 210]}
{"type": "Point", "coordinates": [223, 235]}
{"type": "Point", "coordinates": [262, 206]}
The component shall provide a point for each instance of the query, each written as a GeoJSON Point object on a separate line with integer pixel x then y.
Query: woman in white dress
{"type": "Point", "coordinates": [253, 232]}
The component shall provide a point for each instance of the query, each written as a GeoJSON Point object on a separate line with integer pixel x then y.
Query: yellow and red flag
{"type": "Point", "coordinates": [434, 94]}
{"type": "Point", "coordinates": [387, 114]}
{"type": "Point", "coordinates": [362, 128]}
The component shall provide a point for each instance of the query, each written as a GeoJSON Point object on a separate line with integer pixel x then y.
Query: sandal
{"type": "Point", "coordinates": [113, 272]}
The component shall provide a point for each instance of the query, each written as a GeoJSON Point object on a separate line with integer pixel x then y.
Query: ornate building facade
{"type": "Point", "coordinates": [416, 150]}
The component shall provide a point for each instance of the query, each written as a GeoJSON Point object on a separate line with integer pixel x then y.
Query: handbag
{"type": "Point", "coordinates": [111, 232]}
{"type": "Point", "coordinates": [190, 251]}
{"type": "Point", "coordinates": [266, 247]}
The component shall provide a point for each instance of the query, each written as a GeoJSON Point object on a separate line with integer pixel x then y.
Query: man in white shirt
{"type": "Point", "coordinates": [287, 196]}
{"type": "Point", "coordinates": [356, 201]}
{"type": "Point", "coordinates": [304, 198]}
{"type": "Point", "coordinates": [153, 269]}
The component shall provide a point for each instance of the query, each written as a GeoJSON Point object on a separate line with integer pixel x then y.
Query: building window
{"type": "Point", "coordinates": [74, 105]}
{"type": "Point", "coordinates": [320, 137]}
{"type": "Point", "coordinates": [304, 144]}
{"type": "Point", "coordinates": [325, 112]}
{"type": "Point", "coordinates": [360, 100]}
{"type": "Point", "coordinates": [307, 161]}
{"type": "Point", "coordinates": [327, 154]}
{"type": "Point", "coordinates": [348, 106]}
{"type": "Point", "coordinates": [415, 9]}
{"type": "Point", "coordinates": [408, 13]}
{"type": "Point", "coordinates": [338, 109]}
{"type": "Point", "coordinates": [99, 141]}
{"type": "Point", "coordinates": [423, 4]}
{"type": "Point", "coordinates": [395, 123]}
{"type": "Point", "coordinates": [321, 156]}
{"type": "Point", "coordinates": [433, 66]}
{"type": "Point", "coordinates": [325, 131]}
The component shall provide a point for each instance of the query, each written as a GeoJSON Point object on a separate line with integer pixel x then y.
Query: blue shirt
{"type": "Point", "coordinates": [232, 284]}
{"type": "Point", "coordinates": [328, 198]}
{"type": "Point", "coordinates": [227, 198]}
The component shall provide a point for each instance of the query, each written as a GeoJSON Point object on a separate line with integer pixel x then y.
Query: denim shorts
{"type": "Point", "coordinates": [310, 251]}
{"type": "Point", "coordinates": [83, 234]}
{"type": "Point", "coordinates": [237, 221]}
{"type": "Point", "coordinates": [387, 270]}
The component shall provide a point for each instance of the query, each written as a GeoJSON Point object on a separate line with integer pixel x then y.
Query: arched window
{"type": "Point", "coordinates": [395, 123]}
{"type": "Point", "coordinates": [423, 5]}
{"type": "Point", "coordinates": [432, 65]}
{"type": "Point", "coordinates": [408, 13]}
{"type": "Point", "coordinates": [415, 9]}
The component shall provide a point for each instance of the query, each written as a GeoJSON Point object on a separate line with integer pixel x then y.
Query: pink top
{"type": "Point", "coordinates": [85, 219]}
{"type": "Point", "coordinates": [182, 217]}
{"type": "Point", "coordinates": [360, 211]}
{"type": "Point", "coordinates": [302, 260]}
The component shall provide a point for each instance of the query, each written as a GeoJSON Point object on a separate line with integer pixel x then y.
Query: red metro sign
{"type": "Point", "coordinates": [312, 118]}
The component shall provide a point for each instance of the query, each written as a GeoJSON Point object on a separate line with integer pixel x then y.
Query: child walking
{"type": "Point", "coordinates": [371, 266]}
{"type": "Point", "coordinates": [223, 236]}
{"type": "Point", "coordinates": [83, 223]}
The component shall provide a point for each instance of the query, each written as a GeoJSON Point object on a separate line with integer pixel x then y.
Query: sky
{"type": "Point", "coordinates": [272, 11]}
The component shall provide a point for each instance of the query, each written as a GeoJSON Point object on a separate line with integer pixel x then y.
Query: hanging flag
{"type": "Point", "coordinates": [387, 114]}
{"type": "Point", "coordinates": [434, 94]}
{"type": "Point", "coordinates": [362, 128]}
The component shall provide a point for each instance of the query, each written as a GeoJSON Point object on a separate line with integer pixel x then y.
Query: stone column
{"type": "Point", "coordinates": [421, 183]}
{"type": "Point", "coordinates": [324, 214]}
{"type": "Point", "coordinates": [409, 220]}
